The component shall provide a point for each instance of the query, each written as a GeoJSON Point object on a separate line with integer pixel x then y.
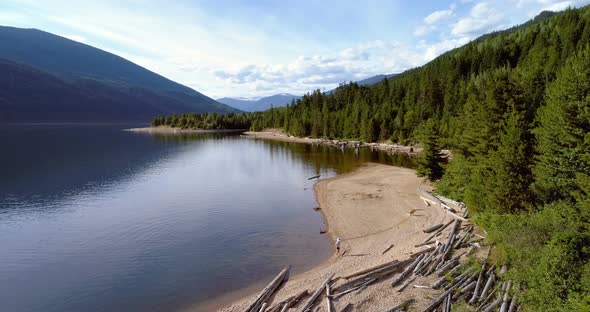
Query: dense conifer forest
{"type": "Point", "coordinates": [514, 109]}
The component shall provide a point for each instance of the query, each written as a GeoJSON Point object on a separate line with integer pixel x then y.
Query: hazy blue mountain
{"type": "Point", "coordinates": [66, 78]}
{"type": "Point", "coordinates": [369, 81]}
{"type": "Point", "coordinates": [262, 104]}
{"type": "Point", "coordinates": [375, 79]}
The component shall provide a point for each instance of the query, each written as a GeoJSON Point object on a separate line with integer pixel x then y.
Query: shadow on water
{"type": "Point", "coordinates": [341, 161]}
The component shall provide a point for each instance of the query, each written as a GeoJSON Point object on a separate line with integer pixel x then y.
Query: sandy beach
{"type": "Point", "coordinates": [369, 209]}
{"type": "Point", "coordinates": [171, 130]}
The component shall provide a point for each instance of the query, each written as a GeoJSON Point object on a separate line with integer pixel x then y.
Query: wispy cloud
{"type": "Point", "coordinates": [482, 18]}
{"type": "Point", "coordinates": [256, 48]}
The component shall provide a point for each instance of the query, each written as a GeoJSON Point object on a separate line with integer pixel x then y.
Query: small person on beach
{"type": "Point", "coordinates": [338, 242]}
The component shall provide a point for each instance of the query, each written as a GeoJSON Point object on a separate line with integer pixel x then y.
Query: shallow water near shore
{"type": "Point", "coordinates": [93, 218]}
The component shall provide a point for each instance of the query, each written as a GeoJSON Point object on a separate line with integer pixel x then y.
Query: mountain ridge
{"type": "Point", "coordinates": [78, 65]}
{"type": "Point", "coordinates": [261, 104]}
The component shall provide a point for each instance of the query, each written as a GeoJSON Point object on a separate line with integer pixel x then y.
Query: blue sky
{"type": "Point", "coordinates": [257, 48]}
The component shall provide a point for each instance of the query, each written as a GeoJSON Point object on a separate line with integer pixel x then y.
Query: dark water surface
{"type": "Point", "coordinates": [93, 218]}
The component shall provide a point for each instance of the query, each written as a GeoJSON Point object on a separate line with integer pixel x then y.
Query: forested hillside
{"type": "Point", "coordinates": [514, 108]}
{"type": "Point", "coordinates": [48, 78]}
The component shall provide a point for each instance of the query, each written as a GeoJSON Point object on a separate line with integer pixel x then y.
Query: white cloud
{"type": "Point", "coordinates": [433, 19]}
{"type": "Point", "coordinates": [438, 16]}
{"type": "Point", "coordinates": [432, 50]}
{"type": "Point", "coordinates": [309, 72]}
{"type": "Point", "coordinates": [481, 19]}
{"type": "Point", "coordinates": [558, 6]}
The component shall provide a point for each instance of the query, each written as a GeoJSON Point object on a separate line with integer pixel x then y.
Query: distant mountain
{"type": "Point", "coordinates": [369, 81]}
{"type": "Point", "coordinates": [250, 105]}
{"type": "Point", "coordinates": [279, 100]}
{"type": "Point", "coordinates": [374, 80]}
{"type": "Point", "coordinates": [50, 78]}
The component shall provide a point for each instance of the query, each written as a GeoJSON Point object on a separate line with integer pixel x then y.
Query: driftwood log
{"type": "Point", "coordinates": [268, 291]}
{"type": "Point", "coordinates": [407, 271]}
{"type": "Point", "coordinates": [433, 228]}
{"type": "Point", "coordinates": [316, 294]}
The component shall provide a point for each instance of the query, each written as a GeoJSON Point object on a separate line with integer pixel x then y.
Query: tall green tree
{"type": "Point", "coordinates": [431, 159]}
{"type": "Point", "coordinates": [563, 135]}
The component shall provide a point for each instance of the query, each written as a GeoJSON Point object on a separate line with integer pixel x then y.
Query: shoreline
{"type": "Point", "coordinates": [279, 135]}
{"type": "Point", "coordinates": [171, 130]}
{"type": "Point", "coordinates": [370, 208]}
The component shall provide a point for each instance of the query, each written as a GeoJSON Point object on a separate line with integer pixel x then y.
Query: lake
{"type": "Point", "coordinates": [93, 218]}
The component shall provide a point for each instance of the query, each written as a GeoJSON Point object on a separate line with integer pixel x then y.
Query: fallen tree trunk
{"type": "Point", "coordinates": [432, 228]}
{"type": "Point", "coordinates": [268, 291]}
{"type": "Point", "coordinates": [456, 216]}
{"type": "Point", "coordinates": [438, 300]}
{"type": "Point", "coordinates": [291, 301]}
{"type": "Point", "coordinates": [328, 298]}
{"type": "Point", "coordinates": [407, 271]}
{"type": "Point", "coordinates": [487, 287]}
{"type": "Point", "coordinates": [316, 294]}
{"type": "Point", "coordinates": [371, 269]}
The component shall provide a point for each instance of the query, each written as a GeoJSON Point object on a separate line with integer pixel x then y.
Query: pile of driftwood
{"type": "Point", "coordinates": [476, 287]}
{"type": "Point", "coordinates": [439, 257]}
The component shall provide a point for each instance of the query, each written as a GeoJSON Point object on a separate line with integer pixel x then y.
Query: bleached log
{"type": "Point", "coordinates": [480, 278]}
{"type": "Point", "coordinates": [505, 301]}
{"type": "Point", "coordinates": [512, 307]}
{"type": "Point", "coordinates": [432, 228]}
{"type": "Point", "coordinates": [340, 294]}
{"type": "Point", "coordinates": [268, 291]}
{"type": "Point", "coordinates": [469, 287]}
{"type": "Point", "coordinates": [328, 298]}
{"type": "Point", "coordinates": [289, 302]}
{"type": "Point", "coordinates": [316, 294]}
{"type": "Point", "coordinates": [437, 232]}
{"type": "Point", "coordinates": [456, 216]}
{"type": "Point", "coordinates": [447, 267]}
{"type": "Point", "coordinates": [493, 305]}
{"type": "Point", "coordinates": [462, 278]}
{"type": "Point", "coordinates": [448, 303]}
{"type": "Point", "coordinates": [438, 300]}
{"type": "Point", "coordinates": [374, 275]}
{"type": "Point", "coordinates": [406, 284]}
{"type": "Point", "coordinates": [467, 281]}
{"type": "Point", "coordinates": [434, 265]}
{"type": "Point", "coordinates": [424, 259]}
{"type": "Point", "coordinates": [485, 301]}
{"type": "Point", "coordinates": [407, 271]}
{"type": "Point", "coordinates": [425, 243]}
{"type": "Point", "coordinates": [488, 286]}
{"type": "Point", "coordinates": [439, 282]}
{"type": "Point", "coordinates": [263, 307]}
{"type": "Point", "coordinates": [371, 269]}
{"type": "Point", "coordinates": [421, 252]}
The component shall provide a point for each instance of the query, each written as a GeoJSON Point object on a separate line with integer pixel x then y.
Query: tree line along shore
{"type": "Point", "coordinates": [513, 107]}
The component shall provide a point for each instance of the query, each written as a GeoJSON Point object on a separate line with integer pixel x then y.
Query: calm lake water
{"type": "Point", "coordinates": [93, 218]}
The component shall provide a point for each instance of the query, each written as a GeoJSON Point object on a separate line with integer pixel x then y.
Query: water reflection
{"type": "Point", "coordinates": [98, 219]}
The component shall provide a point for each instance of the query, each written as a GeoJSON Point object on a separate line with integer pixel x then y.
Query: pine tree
{"type": "Point", "coordinates": [563, 134]}
{"type": "Point", "coordinates": [431, 158]}
{"type": "Point", "coordinates": [508, 186]}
